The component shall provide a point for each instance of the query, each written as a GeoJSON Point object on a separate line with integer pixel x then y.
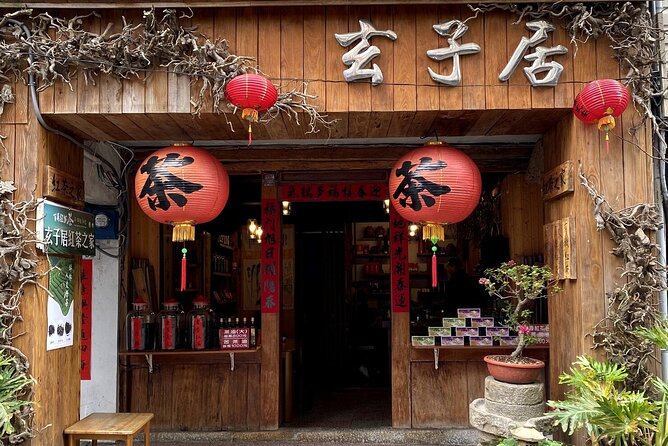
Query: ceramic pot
{"type": "Point", "coordinates": [511, 372]}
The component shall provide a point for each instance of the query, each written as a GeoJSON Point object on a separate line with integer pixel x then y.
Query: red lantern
{"type": "Point", "coordinates": [182, 186]}
{"type": "Point", "coordinates": [252, 93]}
{"type": "Point", "coordinates": [435, 185]}
{"type": "Point", "coordinates": [599, 102]}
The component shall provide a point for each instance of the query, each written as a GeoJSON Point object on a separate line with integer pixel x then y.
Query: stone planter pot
{"type": "Point", "coordinates": [515, 373]}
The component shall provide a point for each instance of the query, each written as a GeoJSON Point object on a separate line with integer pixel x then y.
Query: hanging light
{"type": "Point", "coordinates": [386, 205]}
{"type": "Point", "coordinates": [258, 234]}
{"type": "Point", "coordinates": [287, 207]}
{"type": "Point", "coordinates": [412, 229]}
{"type": "Point", "coordinates": [253, 229]}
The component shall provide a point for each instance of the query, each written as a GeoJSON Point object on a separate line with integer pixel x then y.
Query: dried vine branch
{"type": "Point", "coordinates": [632, 34]}
{"type": "Point", "coordinates": [18, 269]}
{"type": "Point", "coordinates": [632, 304]}
{"type": "Point", "coordinates": [60, 48]}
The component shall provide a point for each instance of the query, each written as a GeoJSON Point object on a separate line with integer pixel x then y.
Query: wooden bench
{"type": "Point", "coordinates": [109, 426]}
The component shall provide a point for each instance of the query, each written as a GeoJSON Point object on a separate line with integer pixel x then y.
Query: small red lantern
{"type": "Point", "coordinates": [599, 102]}
{"type": "Point", "coordinates": [182, 186]}
{"type": "Point", "coordinates": [252, 93]}
{"type": "Point", "coordinates": [435, 185]}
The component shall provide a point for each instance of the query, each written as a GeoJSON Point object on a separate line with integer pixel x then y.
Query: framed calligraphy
{"type": "Point", "coordinates": [270, 260]}
{"type": "Point", "coordinates": [560, 248]}
{"type": "Point", "coordinates": [558, 181]}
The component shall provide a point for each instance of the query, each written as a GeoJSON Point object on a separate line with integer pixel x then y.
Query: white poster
{"type": "Point", "coordinates": [60, 318]}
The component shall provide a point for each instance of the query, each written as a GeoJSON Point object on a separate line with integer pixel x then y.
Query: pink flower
{"type": "Point", "coordinates": [483, 281]}
{"type": "Point", "coordinates": [523, 329]}
{"type": "Point", "coordinates": [511, 262]}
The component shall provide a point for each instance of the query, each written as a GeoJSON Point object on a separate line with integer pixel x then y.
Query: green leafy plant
{"type": "Point", "coordinates": [15, 388]}
{"type": "Point", "coordinates": [517, 286]}
{"type": "Point", "coordinates": [597, 402]}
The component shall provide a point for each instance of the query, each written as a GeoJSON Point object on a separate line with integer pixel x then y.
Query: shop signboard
{"type": "Point", "coordinates": [63, 230]}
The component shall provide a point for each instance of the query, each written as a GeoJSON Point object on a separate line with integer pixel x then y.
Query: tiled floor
{"type": "Point", "coordinates": [348, 409]}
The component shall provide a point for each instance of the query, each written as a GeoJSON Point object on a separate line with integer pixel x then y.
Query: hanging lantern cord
{"type": "Point", "coordinates": [183, 268]}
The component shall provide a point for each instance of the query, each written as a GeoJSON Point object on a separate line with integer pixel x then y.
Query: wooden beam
{"type": "Point", "coordinates": [94, 4]}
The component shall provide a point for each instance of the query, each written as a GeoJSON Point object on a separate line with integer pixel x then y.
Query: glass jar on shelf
{"type": "Point", "coordinates": [138, 326]}
{"type": "Point", "coordinates": [170, 325]}
{"type": "Point", "coordinates": [199, 324]}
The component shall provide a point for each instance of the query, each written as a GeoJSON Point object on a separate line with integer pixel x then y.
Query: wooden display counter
{"type": "Point", "coordinates": [205, 390]}
{"type": "Point", "coordinates": [440, 397]}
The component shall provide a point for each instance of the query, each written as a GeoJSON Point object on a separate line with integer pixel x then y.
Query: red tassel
{"type": "Point", "coordinates": [434, 278]}
{"type": "Point", "coordinates": [250, 133]}
{"type": "Point", "coordinates": [183, 269]}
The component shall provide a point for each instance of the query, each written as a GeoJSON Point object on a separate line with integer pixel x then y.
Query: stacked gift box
{"type": "Point", "coordinates": [470, 328]}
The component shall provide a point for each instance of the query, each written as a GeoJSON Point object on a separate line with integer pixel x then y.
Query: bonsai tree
{"type": "Point", "coordinates": [517, 286]}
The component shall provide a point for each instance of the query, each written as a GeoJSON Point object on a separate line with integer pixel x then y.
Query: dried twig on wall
{"type": "Point", "coordinates": [60, 48]}
{"type": "Point", "coordinates": [630, 30]}
{"type": "Point", "coordinates": [18, 269]}
{"type": "Point", "coordinates": [632, 303]}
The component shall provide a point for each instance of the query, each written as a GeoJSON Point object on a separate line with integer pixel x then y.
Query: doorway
{"type": "Point", "coordinates": [343, 377]}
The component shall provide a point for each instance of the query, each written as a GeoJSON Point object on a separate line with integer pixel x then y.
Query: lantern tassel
{"type": "Point", "coordinates": [250, 133]}
{"type": "Point", "coordinates": [251, 115]}
{"type": "Point", "coordinates": [184, 269]}
{"type": "Point", "coordinates": [606, 124]}
{"type": "Point", "coordinates": [434, 268]}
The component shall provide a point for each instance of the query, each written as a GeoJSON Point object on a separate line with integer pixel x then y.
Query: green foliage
{"type": "Point", "coordinates": [516, 286]}
{"type": "Point", "coordinates": [508, 442]}
{"type": "Point", "coordinates": [14, 386]}
{"type": "Point", "coordinates": [598, 403]}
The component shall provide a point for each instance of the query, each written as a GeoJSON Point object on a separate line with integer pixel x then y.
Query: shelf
{"type": "Point", "coordinates": [203, 355]}
{"type": "Point", "coordinates": [224, 247]}
{"type": "Point", "coordinates": [216, 273]}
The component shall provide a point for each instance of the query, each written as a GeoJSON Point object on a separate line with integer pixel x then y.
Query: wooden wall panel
{"type": "Point", "coordinates": [496, 54]}
{"type": "Point", "coordinates": [519, 89]}
{"type": "Point", "coordinates": [314, 53]}
{"type": "Point", "coordinates": [401, 385]}
{"type": "Point", "coordinates": [440, 397]}
{"type": "Point", "coordinates": [521, 212]}
{"type": "Point", "coordinates": [450, 98]}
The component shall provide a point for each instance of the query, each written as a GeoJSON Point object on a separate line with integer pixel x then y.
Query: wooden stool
{"type": "Point", "coordinates": [110, 426]}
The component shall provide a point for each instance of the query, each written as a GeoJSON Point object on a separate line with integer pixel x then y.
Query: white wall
{"type": "Point", "coordinates": [99, 394]}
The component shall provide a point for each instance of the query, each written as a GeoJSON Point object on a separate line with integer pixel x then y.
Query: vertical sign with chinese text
{"type": "Point", "coordinates": [86, 313]}
{"type": "Point", "coordinates": [60, 308]}
{"type": "Point", "coordinates": [270, 261]}
{"type": "Point", "coordinates": [399, 262]}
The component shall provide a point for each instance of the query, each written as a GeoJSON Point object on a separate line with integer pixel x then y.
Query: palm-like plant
{"type": "Point", "coordinates": [596, 402]}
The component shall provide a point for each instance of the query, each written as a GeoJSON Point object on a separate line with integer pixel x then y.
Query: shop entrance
{"type": "Point", "coordinates": [342, 365]}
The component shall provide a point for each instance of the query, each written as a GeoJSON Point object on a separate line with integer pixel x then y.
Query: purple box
{"type": "Point", "coordinates": [480, 340]}
{"type": "Point", "coordinates": [508, 340]}
{"type": "Point", "coordinates": [482, 322]}
{"type": "Point", "coordinates": [497, 331]}
{"type": "Point", "coordinates": [452, 340]}
{"type": "Point", "coordinates": [467, 331]}
{"type": "Point", "coordinates": [463, 313]}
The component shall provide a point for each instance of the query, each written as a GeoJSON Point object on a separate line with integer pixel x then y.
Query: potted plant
{"type": "Point", "coordinates": [517, 286]}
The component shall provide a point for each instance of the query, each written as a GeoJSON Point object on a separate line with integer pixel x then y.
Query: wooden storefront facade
{"type": "Point", "coordinates": [296, 44]}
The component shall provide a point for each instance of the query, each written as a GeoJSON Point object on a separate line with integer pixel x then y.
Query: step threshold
{"type": "Point", "coordinates": [385, 436]}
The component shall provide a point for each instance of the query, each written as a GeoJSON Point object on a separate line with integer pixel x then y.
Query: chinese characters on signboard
{"type": "Point", "coordinates": [86, 312]}
{"type": "Point", "coordinates": [399, 262]}
{"type": "Point", "coordinates": [64, 230]}
{"type": "Point", "coordinates": [63, 187]}
{"type": "Point", "coordinates": [269, 261]}
{"type": "Point", "coordinates": [60, 313]}
{"type": "Point", "coordinates": [359, 58]}
{"type": "Point", "coordinates": [334, 192]}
